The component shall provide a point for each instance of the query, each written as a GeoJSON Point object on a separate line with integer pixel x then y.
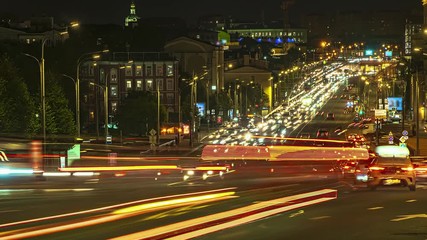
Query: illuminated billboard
{"type": "Point", "coordinates": [389, 53]}
{"type": "Point", "coordinates": [395, 103]}
{"type": "Point", "coordinates": [369, 52]}
{"type": "Point", "coordinates": [201, 108]}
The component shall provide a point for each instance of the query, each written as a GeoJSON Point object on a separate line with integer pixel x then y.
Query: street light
{"type": "Point", "coordinates": [105, 89]}
{"type": "Point", "coordinates": [95, 55]}
{"type": "Point", "coordinates": [77, 97]}
{"type": "Point", "coordinates": [42, 87]}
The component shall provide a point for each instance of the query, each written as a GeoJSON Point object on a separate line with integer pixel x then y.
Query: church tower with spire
{"type": "Point", "coordinates": [131, 20]}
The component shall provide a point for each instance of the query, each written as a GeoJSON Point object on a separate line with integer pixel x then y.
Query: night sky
{"type": "Point", "coordinates": [114, 11]}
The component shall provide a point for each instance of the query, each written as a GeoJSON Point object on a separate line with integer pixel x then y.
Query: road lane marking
{"type": "Point", "coordinates": [375, 208]}
{"type": "Point", "coordinates": [300, 212]}
{"type": "Point", "coordinates": [407, 217]}
{"type": "Point", "coordinates": [411, 200]}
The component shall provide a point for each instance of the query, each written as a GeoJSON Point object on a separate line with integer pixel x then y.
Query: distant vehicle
{"type": "Point", "coordinates": [330, 116]}
{"type": "Point", "coordinates": [367, 130]}
{"type": "Point", "coordinates": [304, 135]}
{"type": "Point", "coordinates": [322, 133]}
{"type": "Point", "coordinates": [392, 167]}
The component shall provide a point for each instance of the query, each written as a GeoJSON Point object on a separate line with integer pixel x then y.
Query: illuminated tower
{"type": "Point", "coordinates": [132, 19]}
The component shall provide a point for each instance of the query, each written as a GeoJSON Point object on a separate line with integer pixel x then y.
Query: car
{"type": "Point", "coordinates": [357, 170]}
{"type": "Point", "coordinates": [322, 133]}
{"type": "Point", "coordinates": [304, 135]}
{"type": "Point", "coordinates": [330, 116]}
{"type": "Point", "coordinates": [391, 167]}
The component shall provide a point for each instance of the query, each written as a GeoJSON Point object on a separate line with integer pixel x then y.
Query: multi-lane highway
{"type": "Point", "coordinates": [249, 200]}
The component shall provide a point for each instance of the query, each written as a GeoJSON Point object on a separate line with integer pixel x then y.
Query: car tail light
{"type": "Point", "coordinates": [346, 167]}
{"type": "Point", "coordinates": [409, 169]}
{"type": "Point", "coordinates": [376, 168]}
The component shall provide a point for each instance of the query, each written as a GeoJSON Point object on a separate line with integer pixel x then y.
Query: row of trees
{"type": "Point", "coordinates": [20, 110]}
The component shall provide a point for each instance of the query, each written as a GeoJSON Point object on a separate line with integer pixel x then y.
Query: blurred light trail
{"type": "Point", "coordinates": [112, 207]}
{"type": "Point", "coordinates": [118, 168]}
{"type": "Point", "coordinates": [117, 215]}
{"type": "Point", "coordinates": [173, 202]}
{"type": "Point", "coordinates": [204, 225]}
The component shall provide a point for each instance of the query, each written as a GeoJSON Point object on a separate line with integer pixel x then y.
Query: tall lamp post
{"type": "Point", "coordinates": [79, 61]}
{"type": "Point", "coordinates": [158, 113]}
{"type": "Point", "coordinates": [77, 98]}
{"type": "Point", "coordinates": [42, 87]}
{"type": "Point", "coordinates": [105, 89]}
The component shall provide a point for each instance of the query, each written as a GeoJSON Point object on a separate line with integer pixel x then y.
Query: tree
{"type": "Point", "coordinates": [59, 117]}
{"type": "Point", "coordinates": [138, 113]}
{"type": "Point", "coordinates": [17, 111]}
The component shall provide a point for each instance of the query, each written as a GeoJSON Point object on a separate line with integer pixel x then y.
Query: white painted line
{"type": "Point", "coordinates": [411, 200]}
{"type": "Point", "coordinates": [375, 208]}
{"type": "Point", "coordinates": [300, 212]}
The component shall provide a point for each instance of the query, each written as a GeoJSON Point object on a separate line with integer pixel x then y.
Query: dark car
{"type": "Point", "coordinates": [322, 133]}
{"type": "Point", "coordinates": [330, 116]}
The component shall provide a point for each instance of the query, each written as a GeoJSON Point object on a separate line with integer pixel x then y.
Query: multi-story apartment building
{"type": "Point", "coordinates": [130, 71]}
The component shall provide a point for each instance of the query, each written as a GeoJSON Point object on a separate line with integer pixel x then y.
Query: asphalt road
{"type": "Point", "coordinates": [355, 213]}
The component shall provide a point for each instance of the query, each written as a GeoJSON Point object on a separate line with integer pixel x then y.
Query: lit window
{"type": "Point", "coordinates": [113, 75]}
{"type": "Point", "coordinates": [169, 70]}
{"type": "Point", "coordinates": [138, 71]}
{"type": "Point", "coordinates": [92, 115]}
{"type": "Point", "coordinates": [138, 85]}
{"type": "Point", "coordinates": [128, 84]}
{"type": "Point", "coordinates": [128, 71]}
{"type": "Point", "coordinates": [113, 90]}
{"type": "Point", "coordinates": [113, 107]}
{"type": "Point", "coordinates": [149, 85]}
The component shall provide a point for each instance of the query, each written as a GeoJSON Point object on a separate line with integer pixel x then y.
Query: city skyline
{"type": "Point", "coordinates": [114, 12]}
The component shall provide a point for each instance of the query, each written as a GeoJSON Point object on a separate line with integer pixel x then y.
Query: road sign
{"type": "Point", "coordinates": [402, 144]}
{"type": "Point", "coordinates": [152, 132]}
{"type": "Point", "coordinates": [153, 139]}
{"type": "Point", "coordinates": [405, 133]}
{"type": "Point", "coordinates": [402, 139]}
{"type": "Point", "coordinates": [109, 139]}
{"type": "Point", "coordinates": [380, 113]}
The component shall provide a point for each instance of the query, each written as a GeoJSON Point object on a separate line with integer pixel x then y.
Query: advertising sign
{"type": "Point", "coordinates": [394, 103]}
{"type": "Point", "coordinates": [369, 52]}
{"type": "Point", "coordinates": [201, 108]}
